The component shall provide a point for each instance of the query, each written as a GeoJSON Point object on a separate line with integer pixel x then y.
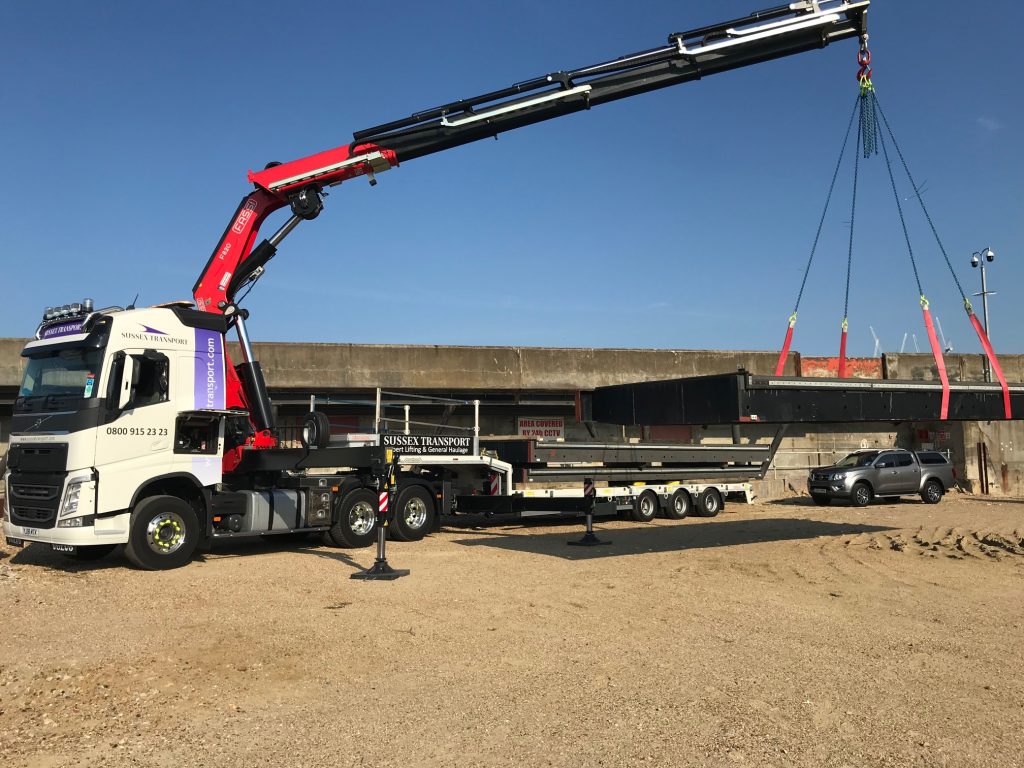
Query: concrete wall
{"type": "Point", "coordinates": [365, 366]}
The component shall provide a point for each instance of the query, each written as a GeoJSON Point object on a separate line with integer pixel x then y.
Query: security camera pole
{"type": "Point", "coordinates": [978, 259]}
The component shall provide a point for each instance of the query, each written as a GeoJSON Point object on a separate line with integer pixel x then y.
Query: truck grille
{"type": "Point", "coordinates": [34, 498]}
{"type": "Point", "coordinates": [35, 492]}
{"type": "Point", "coordinates": [819, 476]}
{"type": "Point", "coordinates": [33, 517]}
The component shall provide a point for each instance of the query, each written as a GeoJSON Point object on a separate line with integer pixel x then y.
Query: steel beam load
{"type": "Point", "coordinates": [737, 398]}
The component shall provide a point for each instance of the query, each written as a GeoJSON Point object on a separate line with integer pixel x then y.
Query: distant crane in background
{"type": "Point", "coordinates": [878, 344]}
{"type": "Point", "coordinates": [946, 348]}
{"type": "Point", "coordinates": [903, 344]}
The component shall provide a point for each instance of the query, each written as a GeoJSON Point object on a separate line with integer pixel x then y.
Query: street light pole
{"type": "Point", "coordinates": [978, 259]}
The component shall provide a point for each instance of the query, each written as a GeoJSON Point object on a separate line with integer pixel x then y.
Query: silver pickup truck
{"type": "Point", "coordinates": [863, 475]}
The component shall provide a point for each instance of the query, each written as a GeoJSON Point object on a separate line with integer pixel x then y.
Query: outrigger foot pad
{"type": "Point", "coordinates": [380, 571]}
{"type": "Point", "coordinates": [588, 540]}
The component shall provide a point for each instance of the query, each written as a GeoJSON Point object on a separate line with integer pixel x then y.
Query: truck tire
{"type": "Point", "coordinates": [355, 519]}
{"type": "Point", "coordinates": [316, 430]}
{"type": "Point", "coordinates": [92, 552]}
{"type": "Point", "coordinates": [709, 503]}
{"type": "Point", "coordinates": [932, 492]}
{"type": "Point", "coordinates": [414, 514]}
{"type": "Point", "coordinates": [861, 495]}
{"type": "Point", "coordinates": [680, 505]}
{"type": "Point", "coordinates": [163, 533]}
{"type": "Point", "coordinates": [645, 507]}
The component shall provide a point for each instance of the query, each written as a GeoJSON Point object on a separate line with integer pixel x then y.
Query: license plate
{"type": "Point", "coordinates": [63, 548]}
{"type": "Point", "coordinates": [819, 490]}
{"type": "Point", "coordinates": [13, 542]}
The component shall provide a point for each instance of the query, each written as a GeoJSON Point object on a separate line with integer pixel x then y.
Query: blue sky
{"type": "Point", "coordinates": [678, 219]}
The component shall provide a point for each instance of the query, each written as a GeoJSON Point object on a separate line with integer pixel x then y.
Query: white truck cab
{"type": "Point", "coordinates": [114, 404]}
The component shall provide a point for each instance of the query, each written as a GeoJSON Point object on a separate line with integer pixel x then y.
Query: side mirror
{"type": "Point", "coordinates": [129, 378]}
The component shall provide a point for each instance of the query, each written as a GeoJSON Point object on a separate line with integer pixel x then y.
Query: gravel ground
{"type": "Point", "coordinates": [778, 634]}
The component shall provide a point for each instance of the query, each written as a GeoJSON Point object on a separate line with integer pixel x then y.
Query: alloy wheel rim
{"type": "Point", "coordinates": [415, 513]}
{"type": "Point", "coordinates": [361, 517]}
{"type": "Point", "coordinates": [165, 533]}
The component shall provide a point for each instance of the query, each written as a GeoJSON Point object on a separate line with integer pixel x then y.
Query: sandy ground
{"type": "Point", "coordinates": [777, 634]}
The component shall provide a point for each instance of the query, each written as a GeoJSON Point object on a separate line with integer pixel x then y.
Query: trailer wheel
{"type": "Point", "coordinates": [355, 519]}
{"type": "Point", "coordinates": [709, 503]}
{"type": "Point", "coordinates": [91, 552]}
{"type": "Point", "coordinates": [645, 508]}
{"type": "Point", "coordinates": [316, 430]}
{"type": "Point", "coordinates": [414, 514]}
{"type": "Point", "coordinates": [163, 534]}
{"type": "Point", "coordinates": [680, 505]}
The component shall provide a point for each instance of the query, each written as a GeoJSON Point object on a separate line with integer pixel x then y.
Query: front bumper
{"type": "Point", "coordinates": [832, 489]}
{"type": "Point", "coordinates": [107, 531]}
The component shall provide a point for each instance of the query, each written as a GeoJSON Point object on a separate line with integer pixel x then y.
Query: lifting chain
{"type": "Point", "coordinates": [868, 123]}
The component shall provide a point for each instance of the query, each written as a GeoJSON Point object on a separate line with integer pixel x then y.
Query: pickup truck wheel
{"type": "Point", "coordinates": [163, 534]}
{"type": "Point", "coordinates": [414, 515]}
{"type": "Point", "coordinates": [932, 492]}
{"type": "Point", "coordinates": [680, 505]}
{"type": "Point", "coordinates": [709, 503]}
{"type": "Point", "coordinates": [92, 552]}
{"type": "Point", "coordinates": [645, 508]}
{"type": "Point", "coordinates": [355, 519]}
{"type": "Point", "coordinates": [861, 495]}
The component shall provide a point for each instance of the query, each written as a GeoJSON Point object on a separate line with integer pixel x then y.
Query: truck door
{"type": "Point", "coordinates": [907, 478]}
{"type": "Point", "coordinates": [885, 474]}
{"type": "Point", "coordinates": [135, 442]}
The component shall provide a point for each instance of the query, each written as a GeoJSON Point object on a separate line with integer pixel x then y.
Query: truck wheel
{"type": "Point", "coordinates": [709, 503]}
{"type": "Point", "coordinates": [414, 514]}
{"type": "Point", "coordinates": [645, 508]}
{"type": "Point", "coordinates": [932, 492]}
{"type": "Point", "coordinates": [680, 505]}
{"type": "Point", "coordinates": [861, 495]}
{"type": "Point", "coordinates": [355, 519]}
{"type": "Point", "coordinates": [92, 552]}
{"type": "Point", "coordinates": [163, 535]}
{"type": "Point", "coordinates": [316, 430]}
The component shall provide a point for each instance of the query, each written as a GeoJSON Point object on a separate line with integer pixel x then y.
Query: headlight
{"type": "Point", "coordinates": [838, 475]}
{"type": "Point", "coordinates": [71, 498]}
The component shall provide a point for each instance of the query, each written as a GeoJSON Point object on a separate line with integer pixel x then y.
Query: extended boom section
{"type": "Point", "coordinates": [762, 36]}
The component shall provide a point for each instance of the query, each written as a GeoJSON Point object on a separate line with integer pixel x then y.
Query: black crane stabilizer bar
{"type": "Point", "coordinates": [765, 35]}
{"type": "Point", "coordinates": [737, 398]}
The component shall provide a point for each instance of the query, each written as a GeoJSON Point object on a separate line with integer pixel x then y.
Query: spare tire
{"type": "Point", "coordinates": [316, 430]}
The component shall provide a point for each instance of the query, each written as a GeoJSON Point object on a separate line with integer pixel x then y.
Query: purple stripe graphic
{"type": "Point", "coordinates": [209, 381]}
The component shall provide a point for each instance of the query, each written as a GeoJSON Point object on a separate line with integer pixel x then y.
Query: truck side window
{"type": "Point", "coordinates": [886, 461]}
{"type": "Point", "coordinates": [153, 379]}
{"type": "Point", "coordinates": [903, 460]}
{"type": "Point", "coordinates": [196, 434]}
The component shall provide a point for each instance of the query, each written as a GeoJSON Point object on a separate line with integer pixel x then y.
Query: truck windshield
{"type": "Point", "coordinates": [67, 372]}
{"type": "Point", "coordinates": [858, 459]}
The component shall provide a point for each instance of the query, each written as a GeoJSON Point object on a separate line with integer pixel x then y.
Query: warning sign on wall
{"type": "Point", "coordinates": [548, 428]}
